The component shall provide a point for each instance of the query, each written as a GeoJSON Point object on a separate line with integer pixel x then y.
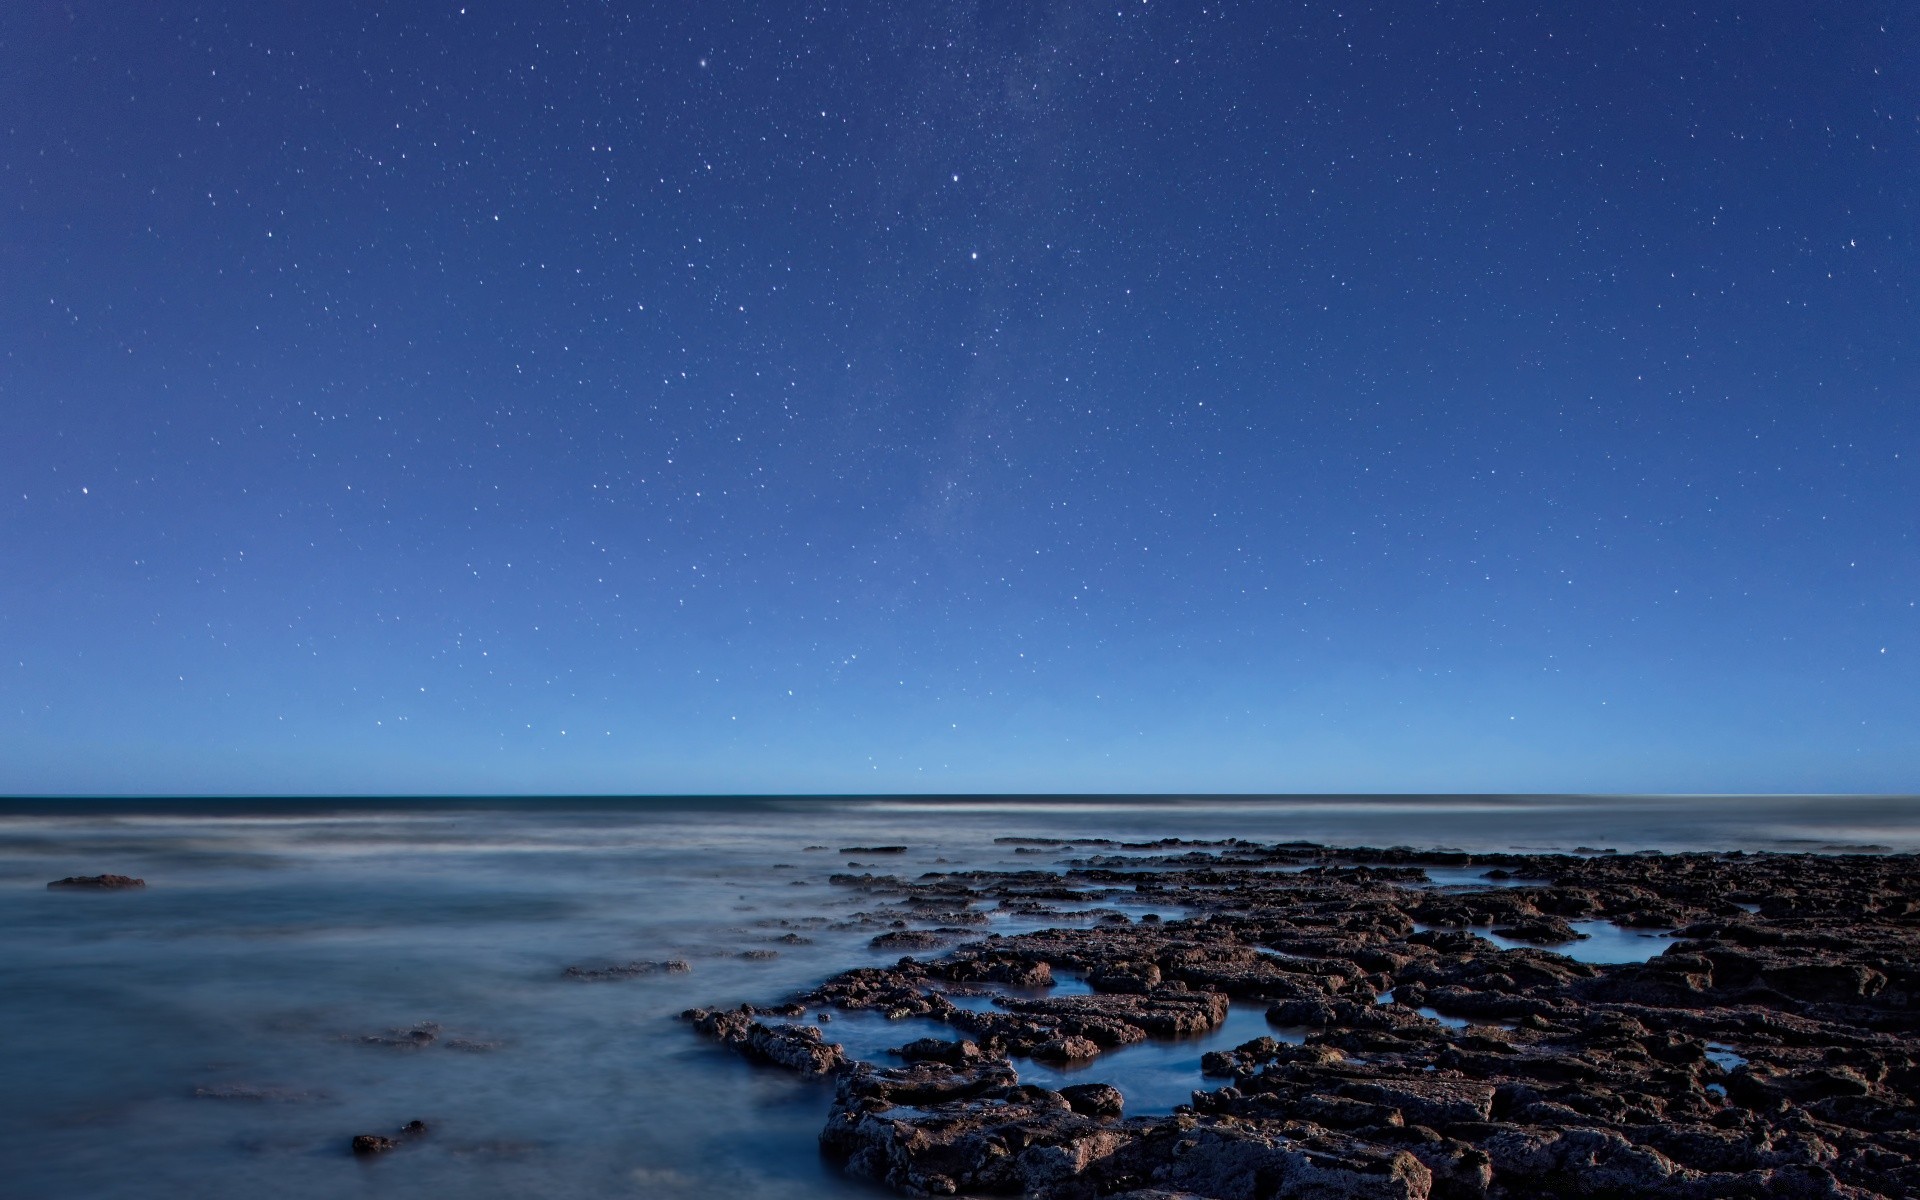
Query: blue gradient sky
{"type": "Point", "coordinates": [565, 397]}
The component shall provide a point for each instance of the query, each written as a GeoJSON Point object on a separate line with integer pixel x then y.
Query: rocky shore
{"type": "Point", "coordinates": [1769, 1051]}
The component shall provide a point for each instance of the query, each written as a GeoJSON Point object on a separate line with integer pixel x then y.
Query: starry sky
{"type": "Point", "coordinates": [588, 396]}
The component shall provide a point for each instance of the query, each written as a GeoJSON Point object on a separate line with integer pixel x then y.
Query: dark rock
{"type": "Point", "coordinates": [928, 1082]}
{"type": "Point", "coordinates": [372, 1143]}
{"type": "Point", "coordinates": [98, 883]}
{"type": "Point", "coordinates": [911, 939]}
{"type": "Point", "coordinates": [1065, 1049]}
{"type": "Point", "coordinates": [1021, 1141]}
{"type": "Point", "coordinates": [1094, 1099]}
{"type": "Point", "coordinates": [960, 1053]}
{"type": "Point", "coordinates": [633, 970]}
{"type": "Point", "coordinates": [1574, 1079]}
{"type": "Point", "coordinates": [800, 1048]}
{"type": "Point", "coordinates": [419, 1037]}
{"type": "Point", "coordinates": [252, 1094]}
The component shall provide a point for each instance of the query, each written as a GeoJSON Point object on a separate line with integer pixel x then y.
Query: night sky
{"type": "Point", "coordinates": [571, 396]}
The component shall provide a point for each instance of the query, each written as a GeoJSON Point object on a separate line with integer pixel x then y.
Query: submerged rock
{"type": "Point", "coordinates": [632, 970]}
{"type": "Point", "coordinates": [419, 1037]}
{"type": "Point", "coordinates": [366, 1144]}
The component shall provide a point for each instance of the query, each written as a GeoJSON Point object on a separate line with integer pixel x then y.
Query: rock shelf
{"type": "Point", "coordinates": [1768, 1052]}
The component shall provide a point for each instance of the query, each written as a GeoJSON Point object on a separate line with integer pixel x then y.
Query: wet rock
{"type": "Point", "coordinates": [1241, 1164]}
{"type": "Point", "coordinates": [956, 1053]}
{"type": "Point", "coordinates": [1065, 1049]}
{"type": "Point", "coordinates": [253, 1094]}
{"type": "Point", "coordinates": [1546, 930]}
{"type": "Point", "coordinates": [417, 1038]}
{"type": "Point", "coordinates": [1578, 1162]}
{"type": "Point", "coordinates": [1094, 1099]}
{"type": "Point", "coordinates": [1436, 1102]}
{"type": "Point", "coordinates": [97, 883]}
{"type": "Point", "coordinates": [1125, 977]}
{"type": "Point", "coordinates": [912, 939]}
{"type": "Point", "coordinates": [368, 1144]}
{"type": "Point", "coordinates": [800, 1048]}
{"type": "Point", "coordinates": [928, 1083]}
{"type": "Point", "coordinates": [1567, 1079]}
{"type": "Point", "coordinates": [1021, 1141]}
{"type": "Point", "coordinates": [633, 970]}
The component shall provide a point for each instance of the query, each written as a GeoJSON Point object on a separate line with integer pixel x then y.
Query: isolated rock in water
{"type": "Point", "coordinates": [375, 1143]}
{"type": "Point", "coordinates": [632, 970]}
{"type": "Point", "coordinates": [873, 849]}
{"type": "Point", "coordinates": [801, 1048]}
{"type": "Point", "coordinates": [418, 1037]}
{"type": "Point", "coordinates": [248, 1092]}
{"type": "Point", "coordinates": [99, 883]}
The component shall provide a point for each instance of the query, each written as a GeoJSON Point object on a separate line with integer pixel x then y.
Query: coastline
{"type": "Point", "coordinates": [1763, 1052]}
{"type": "Point", "coordinates": [266, 997]}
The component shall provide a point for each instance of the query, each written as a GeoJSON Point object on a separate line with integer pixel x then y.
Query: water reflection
{"type": "Point", "coordinates": [1153, 1076]}
{"type": "Point", "coordinates": [1604, 944]}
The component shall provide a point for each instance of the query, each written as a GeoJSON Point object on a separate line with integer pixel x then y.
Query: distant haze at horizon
{"type": "Point", "coordinates": [514, 398]}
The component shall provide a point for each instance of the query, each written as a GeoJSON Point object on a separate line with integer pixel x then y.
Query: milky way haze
{"type": "Point", "coordinates": [934, 396]}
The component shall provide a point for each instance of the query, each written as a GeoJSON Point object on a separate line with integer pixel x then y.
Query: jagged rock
{"type": "Point", "coordinates": [1094, 1099]}
{"type": "Point", "coordinates": [1021, 1141]}
{"type": "Point", "coordinates": [1575, 1079]}
{"type": "Point", "coordinates": [928, 1083]}
{"type": "Point", "coordinates": [912, 939]}
{"type": "Point", "coordinates": [1239, 1164]}
{"type": "Point", "coordinates": [1066, 1049]}
{"type": "Point", "coordinates": [1578, 1162]}
{"type": "Point", "coordinates": [801, 1048]}
{"type": "Point", "coordinates": [366, 1144]}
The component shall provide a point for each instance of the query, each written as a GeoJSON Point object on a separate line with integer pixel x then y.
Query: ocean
{"type": "Point", "coordinates": [300, 971]}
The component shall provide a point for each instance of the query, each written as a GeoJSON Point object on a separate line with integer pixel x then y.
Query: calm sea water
{"type": "Point", "coordinates": [275, 936]}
